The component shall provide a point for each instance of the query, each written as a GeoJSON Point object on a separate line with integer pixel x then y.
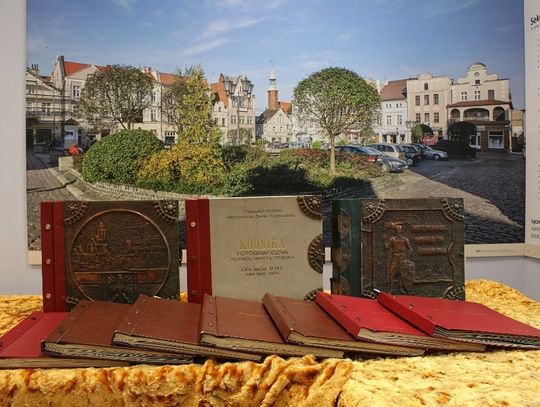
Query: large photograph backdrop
{"type": "Point", "coordinates": [434, 63]}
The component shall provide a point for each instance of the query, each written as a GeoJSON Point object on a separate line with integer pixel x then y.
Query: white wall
{"type": "Point", "coordinates": [16, 277]}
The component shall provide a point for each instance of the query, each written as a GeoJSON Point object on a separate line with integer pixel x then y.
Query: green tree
{"type": "Point", "coordinates": [187, 104]}
{"type": "Point", "coordinates": [117, 94]}
{"type": "Point", "coordinates": [461, 131]}
{"type": "Point", "coordinates": [419, 131]}
{"type": "Point", "coordinates": [334, 101]}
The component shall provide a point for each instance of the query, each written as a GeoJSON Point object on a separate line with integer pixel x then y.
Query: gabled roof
{"type": "Point", "coordinates": [72, 67]}
{"type": "Point", "coordinates": [394, 90]}
{"type": "Point", "coordinates": [476, 103]}
{"type": "Point", "coordinates": [167, 78]}
{"type": "Point", "coordinates": [285, 106]}
{"type": "Point", "coordinates": [218, 90]}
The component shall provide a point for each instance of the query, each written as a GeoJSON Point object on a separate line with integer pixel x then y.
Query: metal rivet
{"type": "Point", "coordinates": [48, 226]}
{"type": "Point", "coordinates": [48, 261]}
{"type": "Point", "coordinates": [193, 224]}
{"type": "Point", "coordinates": [48, 296]}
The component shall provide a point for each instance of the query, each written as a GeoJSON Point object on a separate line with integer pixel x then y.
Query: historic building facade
{"type": "Point", "coordinates": [274, 125]}
{"type": "Point", "coordinates": [393, 126]}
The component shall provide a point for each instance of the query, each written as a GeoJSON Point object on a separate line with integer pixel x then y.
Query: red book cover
{"type": "Point", "coordinates": [462, 320]}
{"type": "Point", "coordinates": [368, 320]}
{"type": "Point", "coordinates": [20, 347]}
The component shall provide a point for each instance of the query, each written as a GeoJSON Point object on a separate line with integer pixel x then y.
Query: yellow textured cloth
{"type": "Point", "coordinates": [495, 378]}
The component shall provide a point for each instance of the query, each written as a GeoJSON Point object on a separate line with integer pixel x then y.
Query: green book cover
{"type": "Point", "coordinates": [402, 246]}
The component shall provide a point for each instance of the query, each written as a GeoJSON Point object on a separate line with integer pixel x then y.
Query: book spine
{"type": "Point", "coordinates": [199, 270]}
{"type": "Point", "coordinates": [209, 321]}
{"type": "Point", "coordinates": [346, 247]}
{"type": "Point", "coordinates": [389, 301]}
{"type": "Point", "coordinates": [325, 302]}
{"type": "Point", "coordinates": [17, 331]}
{"type": "Point", "coordinates": [52, 256]}
{"type": "Point", "coordinates": [279, 315]}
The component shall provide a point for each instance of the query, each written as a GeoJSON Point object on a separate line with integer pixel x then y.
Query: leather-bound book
{"type": "Point", "coordinates": [305, 323]}
{"type": "Point", "coordinates": [108, 251]}
{"type": "Point", "coordinates": [20, 347]}
{"type": "Point", "coordinates": [462, 320]}
{"type": "Point", "coordinates": [245, 247]}
{"type": "Point", "coordinates": [245, 325]}
{"type": "Point", "coordinates": [170, 326]}
{"type": "Point", "coordinates": [88, 330]}
{"type": "Point", "coordinates": [368, 320]}
{"type": "Point", "coordinates": [402, 246]}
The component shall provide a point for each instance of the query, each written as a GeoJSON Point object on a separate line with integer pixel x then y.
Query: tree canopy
{"type": "Point", "coordinates": [419, 131]}
{"type": "Point", "coordinates": [117, 94]}
{"type": "Point", "coordinates": [187, 104]}
{"type": "Point", "coordinates": [334, 101]}
{"type": "Point", "coordinates": [461, 131]}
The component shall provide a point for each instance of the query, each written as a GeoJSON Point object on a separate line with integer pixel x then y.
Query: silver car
{"type": "Point", "coordinates": [431, 153]}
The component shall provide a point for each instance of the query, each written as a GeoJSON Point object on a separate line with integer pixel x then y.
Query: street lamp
{"type": "Point", "coordinates": [244, 93]}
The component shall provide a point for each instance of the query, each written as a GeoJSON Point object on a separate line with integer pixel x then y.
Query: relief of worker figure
{"type": "Point", "coordinates": [400, 266]}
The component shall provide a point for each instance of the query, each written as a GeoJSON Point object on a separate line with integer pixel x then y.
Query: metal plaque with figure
{"type": "Point", "coordinates": [402, 246]}
{"type": "Point", "coordinates": [109, 250]}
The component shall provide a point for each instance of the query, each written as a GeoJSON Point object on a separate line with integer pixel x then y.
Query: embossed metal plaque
{"type": "Point", "coordinates": [403, 246]}
{"type": "Point", "coordinates": [116, 250]}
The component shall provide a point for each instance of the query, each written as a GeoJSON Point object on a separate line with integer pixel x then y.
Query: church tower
{"type": "Point", "coordinates": [272, 92]}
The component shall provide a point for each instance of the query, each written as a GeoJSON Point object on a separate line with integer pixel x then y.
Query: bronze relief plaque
{"type": "Point", "coordinates": [115, 251]}
{"type": "Point", "coordinates": [403, 246]}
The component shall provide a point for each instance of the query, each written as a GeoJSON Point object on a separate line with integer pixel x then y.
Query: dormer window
{"type": "Point", "coordinates": [426, 86]}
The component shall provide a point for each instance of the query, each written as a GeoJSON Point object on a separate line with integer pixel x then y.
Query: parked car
{"type": "Point", "coordinates": [387, 163]}
{"type": "Point", "coordinates": [456, 148]}
{"type": "Point", "coordinates": [431, 153]}
{"type": "Point", "coordinates": [392, 150]}
{"type": "Point", "coordinates": [412, 154]}
{"type": "Point", "coordinates": [372, 156]}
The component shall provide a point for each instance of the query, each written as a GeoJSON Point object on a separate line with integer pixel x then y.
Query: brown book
{"type": "Point", "coordinates": [171, 326]}
{"type": "Point", "coordinates": [245, 325]}
{"type": "Point", "coordinates": [305, 323]}
{"type": "Point", "coordinates": [88, 330]}
{"type": "Point", "coordinates": [402, 246]}
{"type": "Point", "coordinates": [108, 251]}
{"type": "Point", "coordinates": [368, 320]}
{"type": "Point", "coordinates": [20, 347]}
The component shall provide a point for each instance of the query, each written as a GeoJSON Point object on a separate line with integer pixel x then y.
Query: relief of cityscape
{"type": "Point", "coordinates": [371, 99]}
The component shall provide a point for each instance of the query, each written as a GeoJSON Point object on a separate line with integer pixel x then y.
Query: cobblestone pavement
{"type": "Point", "coordinates": [492, 185]}
{"type": "Point", "coordinates": [41, 185]}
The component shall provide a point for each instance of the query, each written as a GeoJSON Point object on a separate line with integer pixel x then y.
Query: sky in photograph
{"type": "Point", "coordinates": [378, 39]}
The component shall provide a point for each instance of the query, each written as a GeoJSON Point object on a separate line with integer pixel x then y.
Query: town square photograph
{"type": "Point", "coordinates": [134, 100]}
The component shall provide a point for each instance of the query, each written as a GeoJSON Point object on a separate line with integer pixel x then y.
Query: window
{"type": "Point", "coordinates": [426, 117]}
{"type": "Point", "coordinates": [169, 137]}
{"type": "Point", "coordinates": [76, 91]}
{"type": "Point", "coordinates": [153, 115]}
{"type": "Point", "coordinates": [153, 96]}
{"type": "Point", "coordinates": [223, 122]}
{"type": "Point", "coordinates": [477, 81]}
{"type": "Point", "coordinates": [495, 139]}
{"type": "Point", "coordinates": [435, 98]}
{"type": "Point", "coordinates": [426, 86]}
{"type": "Point", "coordinates": [436, 117]}
{"type": "Point", "coordinates": [31, 89]}
{"type": "Point", "coordinates": [426, 99]}
{"type": "Point", "coordinates": [388, 119]}
{"type": "Point", "coordinates": [476, 95]}
{"type": "Point", "coordinates": [233, 119]}
{"type": "Point", "coordinates": [491, 94]}
{"type": "Point", "coordinates": [399, 119]}
{"type": "Point", "coordinates": [28, 106]}
{"type": "Point", "coordinates": [418, 117]}
{"type": "Point", "coordinates": [463, 96]}
{"type": "Point", "coordinates": [417, 100]}
{"type": "Point", "coordinates": [46, 109]}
